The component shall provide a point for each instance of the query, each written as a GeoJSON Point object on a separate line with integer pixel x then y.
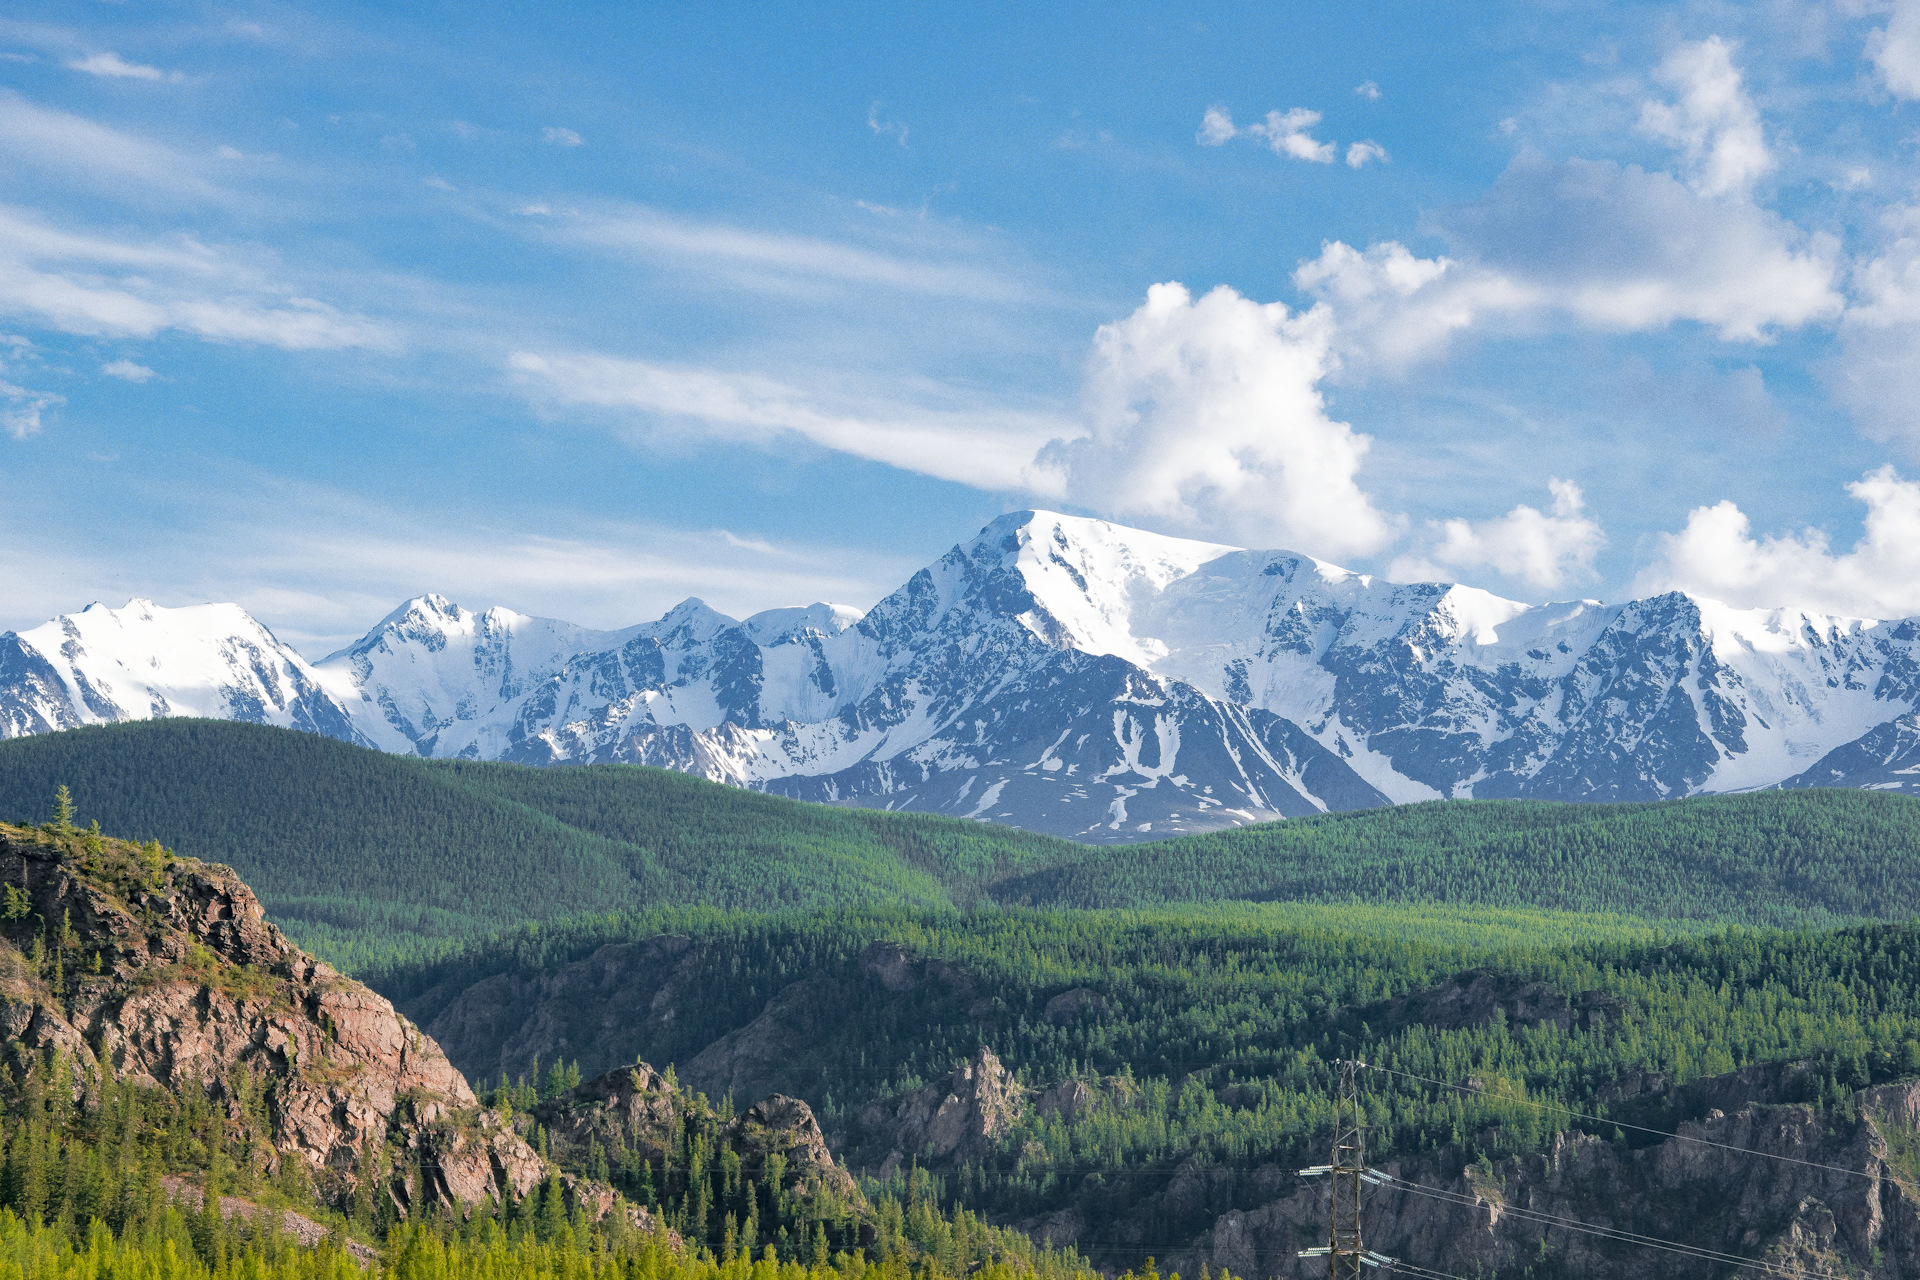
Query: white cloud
{"type": "Point", "coordinates": [561, 137]}
{"type": "Point", "coordinates": [778, 256]}
{"type": "Point", "coordinates": [1895, 50]}
{"type": "Point", "coordinates": [1544, 549]}
{"type": "Point", "coordinates": [105, 158]}
{"type": "Point", "coordinates": [988, 449]}
{"type": "Point", "coordinates": [1361, 152]}
{"type": "Point", "coordinates": [1286, 133]}
{"type": "Point", "coordinates": [1716, 555]}
{"type": "Point", "coordinates": [1394, 308]}
{"type": "Point", "coordinates": [1624, 249]}
{"type": "Point", "coordinates": [319, 564]}
{"type": "Point", "coordinates": [20, 409]}
{"type": "Point", "coordinates": [114, 66]}
{"type": "Point", "coordinates": [886, 128]}
{"type": "Point", "coordinates": [438, 183]}
{"type": "Point", "coordinates": [534, 211]}
{"type": "Point", "coordinates": [1368, 90]}
{"type": "Point", "coordinates": [97, 287]}
{"type": "Point", "coordinates": [1876, 370]}
{"type": "Point", "coordinates": [127, 371]}
{"type": "Point", "coordinates": [1216, 128]}
{"type": "Point", "coordinates": [1206, 415]}
{"type": "Point", "coordinates": [1713, 123]}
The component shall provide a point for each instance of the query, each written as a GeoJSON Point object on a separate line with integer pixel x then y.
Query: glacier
{"type": "Point", "coordinates": [1067, 675]}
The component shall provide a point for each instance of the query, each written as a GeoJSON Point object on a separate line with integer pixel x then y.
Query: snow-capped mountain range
{"type": "Point", "coordinates": [1065, 675]}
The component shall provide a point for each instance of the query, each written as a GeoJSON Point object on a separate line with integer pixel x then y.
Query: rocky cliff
{"type": "Point", "coordinates": [636, 1108]}
{"type": "Point", "coordinates": [132, 964]}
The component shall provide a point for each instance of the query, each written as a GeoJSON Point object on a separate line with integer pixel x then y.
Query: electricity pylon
{"type": "Point", "coordinates": [1345, 1251]}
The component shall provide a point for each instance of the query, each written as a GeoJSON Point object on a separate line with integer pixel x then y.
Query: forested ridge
{"type": "Point", "coordinates": [368, 857]}
{"type": "Point", "coordinates": [1213, 1031]}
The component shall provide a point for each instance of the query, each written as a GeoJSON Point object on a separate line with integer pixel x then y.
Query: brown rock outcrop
{"type": "Point", "coordinates": [163, 971]}
{"type": "Point", "coordinates": [959, 1116]}
{"type": "Point", "coordinates": [635, 1106]}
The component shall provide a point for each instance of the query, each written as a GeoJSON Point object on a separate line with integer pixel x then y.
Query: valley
{"type": "Point", "coordinates": [950, 1043]}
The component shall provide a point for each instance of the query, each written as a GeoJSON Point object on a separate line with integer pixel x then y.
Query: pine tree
{"type": "Point", "coordinates": [62, 810]}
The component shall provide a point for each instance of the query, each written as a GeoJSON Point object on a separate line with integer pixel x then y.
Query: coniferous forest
{"type": "Point", "coordinates": [1146, 1035]}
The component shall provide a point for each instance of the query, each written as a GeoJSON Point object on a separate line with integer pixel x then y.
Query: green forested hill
{"type": "Point", "coordinates": [357, 852]}
{"type": "Point", "coordinates": [1780, 858]}
{"type": "Point", "coordinates": [348, 847]}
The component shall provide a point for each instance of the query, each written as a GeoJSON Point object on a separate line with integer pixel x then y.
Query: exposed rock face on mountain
{"type": "Point", "coordinates": [636, 1107]}
{"type": "Point", "coordinates": [1800, 1213]}
{"type": "Point", "coordinates": [957, 1117]}
{"type": "Point", "coordinates": [1068, 676]}
{"type": "Point", "coordinates": [604, 1009]}
{"type": "Point", "coordinates": [1884, 758]}
{"type": "Point", "coordinates": [162, 971]}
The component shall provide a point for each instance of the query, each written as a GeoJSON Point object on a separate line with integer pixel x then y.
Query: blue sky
{"type": "Point", "coordinates": [583, 312]}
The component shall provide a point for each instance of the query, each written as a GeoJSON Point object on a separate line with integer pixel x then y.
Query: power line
{"type": "Point", "coordinates": [1620, 1124]}
{"type": "Point", "coordinates": [1616, 1234]}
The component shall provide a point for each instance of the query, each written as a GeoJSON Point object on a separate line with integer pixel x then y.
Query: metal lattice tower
{"type": "Point", "coordinates": [1345, 1252]}
{"type": "Point", "coordinates": [1344, 1249]}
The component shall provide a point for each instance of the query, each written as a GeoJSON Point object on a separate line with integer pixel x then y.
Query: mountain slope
{"type": "Point", "coordinates": [357, 852]}
{"type": "Point", "coordinates": [107, 666]}
{"type": "Point", "coordinates": [1780, 859]}
{"type": "Point", "coordinates": [1064, 675]}
{"type": "Point", "coordinates": [347, 844]}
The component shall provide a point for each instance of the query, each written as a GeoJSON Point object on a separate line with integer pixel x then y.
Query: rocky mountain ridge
{"type": "Point", "coordinates": [1065, 675]}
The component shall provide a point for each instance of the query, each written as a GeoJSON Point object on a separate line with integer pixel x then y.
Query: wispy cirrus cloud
{"type": "Point", "coordinates": [98, 157]}
{"type": "Point", "coordinates": [97, 286]}
{"type": "Point", "coordinates": [986, 447]}
{"type": "Point", "coordinates": [114, 67]}
{"type": "Point", "coordinates": [666, 238]}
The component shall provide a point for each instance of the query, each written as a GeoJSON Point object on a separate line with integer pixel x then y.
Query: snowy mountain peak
{"type": "Point", "coordinates": [103, 665]}
{"type": "Point", "coordinates": [692, 621]}
{"type": "Point", "coordinates": [1065, 674]}
{"type": "Point", "coordinates": [774, 626]}
{"type": "Point", "coordinates": [1088, 578]}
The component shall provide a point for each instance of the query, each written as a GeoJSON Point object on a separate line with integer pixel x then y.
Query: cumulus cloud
{"type": "Point", "coordinates": [1544, 549]}
{"type": "Point", "coordinates": [1206, 414]}
{"type": "Point", "coordinates": [1394, 308]}
{"type": "Point", "coordinates": [1368, 90]}
{"type": "Point", "coordinates": [113, 66]}
{"type": "Point", "coordinates": [1216, 128]}
{"type": "Point", "coordinates": [1712, 122]}
{"type": "Point", "coordinates": [1894, 50]}
{"type": "Point", "coordinates": [1716, 555]}
{"type": "Point", "coordinates": [988, 449]}
{"type": "Point", "coordinates": [1625, 249]}
{"type": "Point", "coordinates": [1361, 152]}
{"type": "Point", "coordinates": [1287, 133]}
{"type": "Point", "coordinates": [561, 137]}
